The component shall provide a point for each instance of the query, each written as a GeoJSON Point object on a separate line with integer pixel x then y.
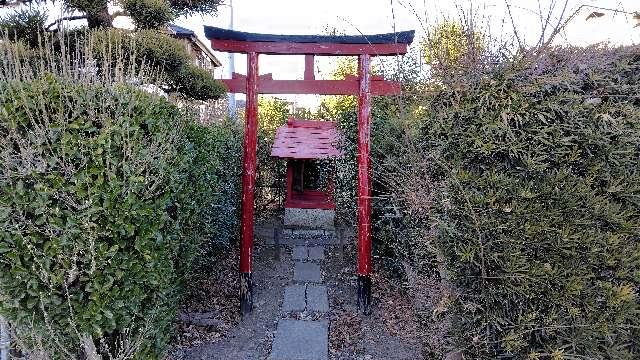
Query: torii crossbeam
{"type": "Point", "coordinates": [364, 85]}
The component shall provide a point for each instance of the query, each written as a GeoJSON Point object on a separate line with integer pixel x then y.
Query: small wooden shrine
{"type": "Point", "coordinates": [302, 143]}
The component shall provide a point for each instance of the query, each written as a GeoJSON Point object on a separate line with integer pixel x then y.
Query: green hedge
{"type": "Point", "coordinates": [111, 199]}
{"type": "Point", "coordinates": [86, 242]}
{"type": "Point", "coordinates": [533, 215]}
{"type": "Point", "coordinates": [209, 205]}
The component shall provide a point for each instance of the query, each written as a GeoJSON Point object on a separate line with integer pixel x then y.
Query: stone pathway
{"type": "Point", "coordinates": [297, 337]}
{"type": "Point", "coordinates": [304, 306]}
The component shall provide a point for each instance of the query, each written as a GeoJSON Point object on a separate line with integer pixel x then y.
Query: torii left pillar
{"type": "Point", "coordinates": [249, 162]}
{"type": "Point", "coordinates": [364, 184]}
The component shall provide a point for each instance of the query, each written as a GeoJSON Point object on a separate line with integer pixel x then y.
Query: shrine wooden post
{"type": "Point", "coordinates": [364, 86]}
{"type": "Point", "coordinates": [249, 165]}
{"type": "Point", "coordinates": [364, 184]}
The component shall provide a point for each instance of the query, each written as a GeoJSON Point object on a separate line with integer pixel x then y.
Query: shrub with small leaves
{"type": "Point", "coordinates": [149, 14]}
{"type": "Point", "coordinates": [197, 83]}
{"type": "Point", "coordinates": [209, 206]}
{"type": "Point", "coordinates": [84, 236]}
{"type": "Point", "coordinates": [109, 197]}
{"type": "Point", "coordinates": [525, 195]}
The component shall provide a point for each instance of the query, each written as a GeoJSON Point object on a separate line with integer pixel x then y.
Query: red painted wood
{"type": "Point", "coordinates": [364, 167]}
{"type": "Point", "coordinates": [289, 181]}
{"type": "Point", "coordinates": [311, 199]}
{"type": "Point", "coordinates": [309, 68]}
{"type": "Point", "coordinates": [249, 163]}
{"type": "Point", "coordinates": [320, 87]}
{"type": "Point", "coordinates": [317, 124]}
{"type": "Point", "coordinates": [306, 140]}
{"type": "Point", "coordinates": [263, 47]}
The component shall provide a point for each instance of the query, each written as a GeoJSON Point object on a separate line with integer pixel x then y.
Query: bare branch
{"type": "Point", "coordinates": [65, 18]}
{"type": "Point", "coordinates": [513, 25]}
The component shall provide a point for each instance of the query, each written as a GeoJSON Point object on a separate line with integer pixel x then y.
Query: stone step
{"type": "Point", "coordinates": [309, 218]}
{"type": "Point", "coordinates": [317, 299]}
{"type": "Point", "coordinates": [294, 298]}
{"type": "Point", "coordinates": [308, 237]}
{"type": "Point", "coordinates": [301, 340]}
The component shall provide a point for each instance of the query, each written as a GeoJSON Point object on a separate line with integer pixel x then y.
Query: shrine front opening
{"type": "Point", "coordinates": [364, 86]}
{"type": "Point", "coordinates": [304, 144]}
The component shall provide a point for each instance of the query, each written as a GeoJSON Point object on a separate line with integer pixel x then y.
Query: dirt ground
{"type": "Point", "coordinates": [209, 326]}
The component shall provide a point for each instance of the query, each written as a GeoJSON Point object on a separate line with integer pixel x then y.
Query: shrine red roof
{"type": "Point", "coordinates": [306, 139]}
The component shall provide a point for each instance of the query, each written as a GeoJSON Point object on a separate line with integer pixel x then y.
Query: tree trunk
{"type": "Point", "coordinates": [99, 16]}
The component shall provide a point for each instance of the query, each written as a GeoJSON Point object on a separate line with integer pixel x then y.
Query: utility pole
{"type": "Point", "coordinates": [231, 97]}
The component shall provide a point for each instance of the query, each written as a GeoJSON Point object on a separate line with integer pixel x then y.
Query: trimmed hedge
{"type": "Point", "coordinates": [530, 188]}
{"type": "Point", "coordinates": [209, 205]}
{"type": "Point", "coordinates": [111, 199]}
{"type": "Point", "coordinates": [86, 242]}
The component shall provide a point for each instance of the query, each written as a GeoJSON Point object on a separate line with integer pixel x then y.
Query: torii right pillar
{"type": "Point", "coordinates": [364, 184]}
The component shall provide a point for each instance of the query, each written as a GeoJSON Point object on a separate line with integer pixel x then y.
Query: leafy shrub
{"type": "Point", "coordinates": [387, 130]}
{"type": "Point", "coordinates": [197, 83]}
{"type": "Point", "coordinates": [109, 197]}
{"type": "Point", "coordinates": [209, 205]}
{"type": "Point", "coordinates": [524, 190]}
{"type": "Point", "coordinates": [24, 25]}
{"type": "Point", "coordinates": [270, 178]}
{"type": "Point", "coordinates": [192, 7]}
{"type": "Point", "coordinates": [84, 240]}
{"type": "Point", "coordinates": [161, 50]}
{"type": "Point", "coordinates": [149, 14]}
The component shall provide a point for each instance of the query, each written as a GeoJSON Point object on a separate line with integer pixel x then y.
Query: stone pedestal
{"type": "Point", "coordinates": [309, 218]}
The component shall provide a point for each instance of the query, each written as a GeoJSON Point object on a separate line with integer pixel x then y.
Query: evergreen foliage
{"type": "Point", "coordinates": [150, 38]}
{"type": "Point", "coordinates": [110, 198]}
{"type": "Point", "coordinates": [523, 196]}
{"type": "Point", "coordinates": [24, 25]}
{"type": "Point", "coordinates": [273, 112]}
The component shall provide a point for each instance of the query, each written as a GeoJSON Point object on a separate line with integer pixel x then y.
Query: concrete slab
{"type": "Point", "coordinates": [300, 340]}
{"type": "Point", "coordinates": [306, 272]}
{"type": "Point", "coordinates": [313, 240]}
{"type": "Point", "coordinates": [316, 253]}
{"type": "Point", "coordinates": [300, 253]}
{"type": "Point", "coordinates": [310, 218]}
{"type": "Point", "coordinates": [294, 298]}
{"type": "Point", "coordinates": [317, 299]}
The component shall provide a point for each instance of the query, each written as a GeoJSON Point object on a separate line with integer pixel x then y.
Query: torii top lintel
{"type": "Point", "coordinates": [310, 46]}
{"type": "Point", "coordinates": [346, 45]}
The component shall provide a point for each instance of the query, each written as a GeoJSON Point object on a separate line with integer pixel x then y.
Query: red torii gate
{"type": "Point", "coordinates": [364, 85]}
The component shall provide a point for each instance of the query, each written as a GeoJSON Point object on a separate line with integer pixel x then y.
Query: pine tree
{"type": "Point", "coordinates": [29, 25]}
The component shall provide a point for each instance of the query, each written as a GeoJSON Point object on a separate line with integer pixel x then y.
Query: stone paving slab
{"type": "Point", "coordinates": [294, 298]}
{"type": "Point", "coordinates": [300, 253]}
{"type": "Point", "coordinates": [307, 241]}
{"type": "Point", "coordinates": [317, 299]}
{"type": "Point", "coordinates": [301, 340]}
{"type": "Point", "coordinates": [316, 253]}
{"type": "Point", "coordinates": [306, 272]}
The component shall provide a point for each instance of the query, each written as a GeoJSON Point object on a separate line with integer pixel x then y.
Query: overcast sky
{"type": "Point", "coordinates": [382, 16]}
